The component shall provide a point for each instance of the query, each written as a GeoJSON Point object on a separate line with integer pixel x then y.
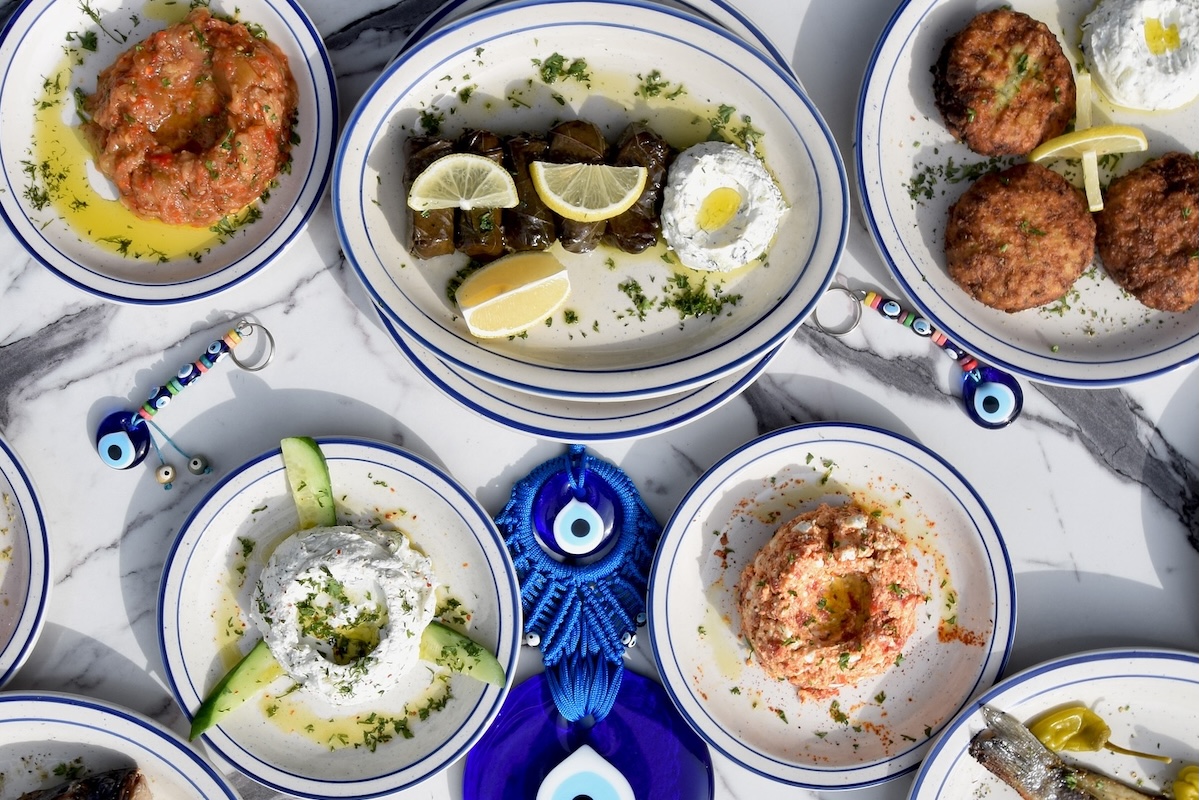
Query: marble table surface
{"type": "Point", "coordinates": [1096, 492]}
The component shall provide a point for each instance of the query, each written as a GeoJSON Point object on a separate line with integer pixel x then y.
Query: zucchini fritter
{"type": "Point", "coordinates": [1019, 238]}
{"type": "Point", "coordinates": [1148, 232]}
{"type": "Point", "coordinates": [1003, 84]}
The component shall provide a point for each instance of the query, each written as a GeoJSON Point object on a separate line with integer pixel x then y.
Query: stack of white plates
{"type": "Point", "coordinates": [613, 374]}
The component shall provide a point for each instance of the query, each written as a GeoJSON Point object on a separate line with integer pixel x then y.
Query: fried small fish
{"type": "Point", "coordinates": [115, 784]}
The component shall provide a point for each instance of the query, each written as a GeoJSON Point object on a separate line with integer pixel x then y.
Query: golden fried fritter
{"type": "Point", "coordinates": [1019, 238]}
{"type": "Point", "coordinates": [1003, 84]}
{"type": "Point", "coordinates": [1148, 232]}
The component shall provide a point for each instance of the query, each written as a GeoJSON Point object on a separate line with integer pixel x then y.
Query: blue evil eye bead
{"type": "Point", "coordinates": [577, 524]}
{"type": "Point", "coordinates": [993, 397]}
{"type": "Point", "coordinates": [120, 442]}
{"type": "Point", "coordinates": [585, 774]}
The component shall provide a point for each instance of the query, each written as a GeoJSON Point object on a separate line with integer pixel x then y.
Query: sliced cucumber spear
{"type": "Point", "coordinates": [308, 476]}
{"type": "Point", "coordinates": [312, 490]}
{"type": "Point", "coordinates": [256, 669]}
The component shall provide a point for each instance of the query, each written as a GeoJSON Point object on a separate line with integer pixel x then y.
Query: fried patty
{"type": "Point", "coordinates": [1148, 232]}
{"type": "Point", "coordinates": [1003, 84]}
{"type": "Point", "coordinates": [1019, 238]}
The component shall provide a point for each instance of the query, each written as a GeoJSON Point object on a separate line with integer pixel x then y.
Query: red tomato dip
{"type": "Point", "coordinates": [194, 123]}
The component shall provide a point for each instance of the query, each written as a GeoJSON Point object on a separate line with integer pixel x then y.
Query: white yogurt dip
{"type": "Point", "coordinates": [343, 610]}
{"type": "Point", "coordinates": [720, 207]}
{"type": "Point", "coordinates": [1144, 54]}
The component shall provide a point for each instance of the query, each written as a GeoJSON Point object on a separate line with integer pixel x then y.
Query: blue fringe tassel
{"type": "Point", "coordinates": [581, 612]}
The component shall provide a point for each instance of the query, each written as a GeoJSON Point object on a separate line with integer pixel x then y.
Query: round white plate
{"type": "Point", "coordinates": [1149, 697]}
{"type": "Point", "coordinates": [733, 510]}
{"type": "Point", "coordinates": [621, 357]}
{"type": "Point", "coordinates": [1099, 336]}
{"type": "Point", "coordinates": [208, 579]}
{"type": "Point", "coordinates": [574, 420]}
{"type": "Point", "coordinates": [718, 11]}
{"type": "Point", "coordinates": [32, 50]}
{"type": "Point", "coordinates": [25, 569]}
{"type": "Point", "coordinates": [42, 732]}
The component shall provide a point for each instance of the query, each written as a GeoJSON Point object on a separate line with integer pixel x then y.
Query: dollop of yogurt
{"type": "Point", "coordinates": [720, 207]}
{"type": "Point", "coordinates": [1144, 54]}
{"type": "Point", "coordinates": [343, 609]}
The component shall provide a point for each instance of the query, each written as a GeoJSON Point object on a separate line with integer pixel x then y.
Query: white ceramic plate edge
{"type": "Point", "coordinates": [33, 608]}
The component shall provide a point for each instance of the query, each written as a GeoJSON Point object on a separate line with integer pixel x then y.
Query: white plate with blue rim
{"type": "Point", "coordinates": [719, 11]}
{"type": "Point", "coordinates": [1149, 698]}
{"type": "Point", "coordinates": [47, 738]}
{"type": "Point", "coordinates": [478, 71]}
{"type": "Point", "coordinates": [1097, 335]}
{"type": "Point", "coordinates": [292, 741]}
{"type": "Point", "coordinates": [24, 567]}
{"type": "Point", "coordinates": [51, 49]}
{"type": "Point", "coordinates": [574, 421]}
{"type": "Point", "coordinates": [880, 728]}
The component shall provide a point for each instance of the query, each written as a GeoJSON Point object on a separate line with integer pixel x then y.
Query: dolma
{"type": "Point", "coordinates": [480, 234]}
{"type": "Point", "coordinates": [578, 141]}
{"type": "Point", "coordinates": [637, 229]}
{"type": "Point", "coordinates": [530, 225]}
{"type": "Point", "coordinates": [430, 233]}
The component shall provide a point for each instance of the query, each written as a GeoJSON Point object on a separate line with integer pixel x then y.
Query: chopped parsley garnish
{"type": "Point", "coordinates": [559, 67]}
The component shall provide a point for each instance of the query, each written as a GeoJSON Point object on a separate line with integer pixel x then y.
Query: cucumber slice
{"type": "Point", "coordinates": [256, 669]}
{"type": "Point", "coordinates": [443, 645]}
{"type": "Point", "coordinates": [308, 477]}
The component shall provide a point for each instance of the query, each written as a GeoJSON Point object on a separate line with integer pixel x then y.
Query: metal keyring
{"type": "Point", "coordinates": [857, 312]}
{"type": "Point", "coordinates": [245, 329]}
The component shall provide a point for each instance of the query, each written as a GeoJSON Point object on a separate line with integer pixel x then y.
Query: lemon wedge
{"type": "Point", "coordinates": [587, 192]}
{"type": "Point", "coordinates": [1087, 143]}
{"type": "Point", "coordinates": [513, 293]}
{"type": "Point", "coordinates": [1100, 140]}
{"type": "Point", "coordinates": [462, 180]}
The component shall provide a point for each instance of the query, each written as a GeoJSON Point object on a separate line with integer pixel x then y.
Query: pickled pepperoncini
{"type": "Point", "coordinates": [1186, 785]}
{"type": "Point", "coordinates": [1079, 729]}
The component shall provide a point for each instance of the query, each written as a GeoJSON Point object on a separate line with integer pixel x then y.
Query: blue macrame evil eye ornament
{"type": "Point", "coordinates": [582, 542]}
{"type": "Point", "coordinates": [992, 397]}
{"type": "Point", "coordinates": [124, 438]}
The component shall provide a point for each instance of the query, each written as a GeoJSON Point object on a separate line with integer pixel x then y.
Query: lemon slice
{"type": "Point", "coordinates": [1101, 140]}
{"type": "Point", "coordinates": [462, 180]}
{"type": "Point", "coordinates": [587, 192]}
{"type": "Point", "coordinates": [513, 293]}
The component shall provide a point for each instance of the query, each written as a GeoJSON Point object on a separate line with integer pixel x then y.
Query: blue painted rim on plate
{"type": "Point", "coordinates": [320, 172]}
{"type": "Point", "coordinates": [662, 567]}
{"type": "Point", "coordinates": [29, 623]}
{"type": "Point", "coordinates": [180, 751]}
{"type": "Point", "coordinates": [785, 331]}
{"type": "Point", "coordinates": [1147, 654]}
{"type": "Point", "coordinates": [979, 350]}
{"type": "Point", "coordinates": [560, 432]}
{"type": "Point", "coordinates": [443, 759]}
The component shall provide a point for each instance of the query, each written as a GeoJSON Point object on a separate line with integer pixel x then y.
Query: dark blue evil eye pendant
{"type": "Point", "coordinates": [124, 438]}
{"type": "Point", "coordinates": [992, 397]}
{"type": "Point", "coordinates": [576, 521]}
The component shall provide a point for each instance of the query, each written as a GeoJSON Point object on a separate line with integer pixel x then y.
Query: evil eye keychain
{"type": "Point", "coordinates": [124, 438]}
{"type": "Point", "coordinates": [992, 397]}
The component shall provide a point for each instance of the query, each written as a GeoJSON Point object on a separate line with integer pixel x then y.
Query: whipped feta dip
{"type": "Point", "coordinates": [343, 609]}
{"type": "Point", "coordinates": [720, 207]}
{"type": "Point", "coordinates": [1144, 54]}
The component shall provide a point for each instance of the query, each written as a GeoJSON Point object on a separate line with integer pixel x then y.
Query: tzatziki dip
{"type": "Point", "coordinates": [720, 207]}
{"type": "Point", "coordinates": [343, 609]}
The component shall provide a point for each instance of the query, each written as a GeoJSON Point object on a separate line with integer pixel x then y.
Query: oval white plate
{"type": "Point", "coordinates": [1103, 337]}
{"type": "Point", "coordinates": [39, 732]}
{"type": "Point", "coordinates": [620, 358]}
{"type": "Point", "coordinates": [718, 11]}
{"type": "Point", "coordinates": [372, 483]}
{"type": "Point", "coordinates": [733, 510]}
{"type": "Point", "coordinates": [574, 420]}
{"type": "Point", "coordinates": [25, 570]}
{"type": "Point", "coordinates": [32, 47]}
{"type": "Point", "coordinates": [1149, 697]}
